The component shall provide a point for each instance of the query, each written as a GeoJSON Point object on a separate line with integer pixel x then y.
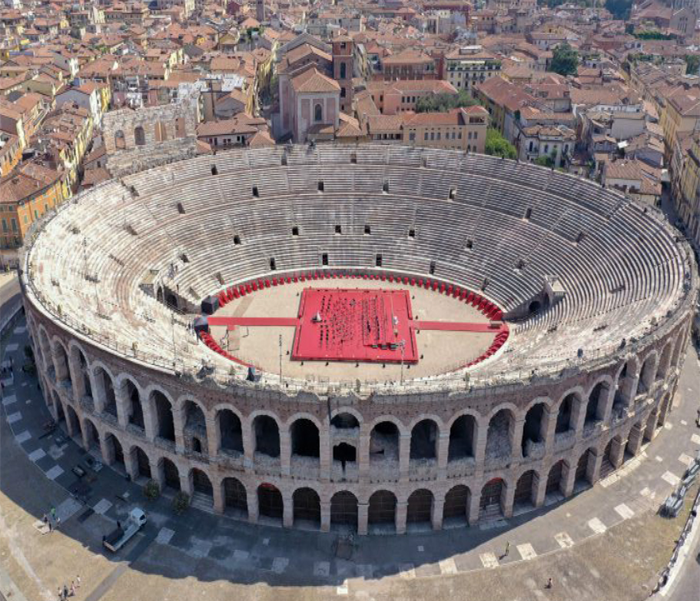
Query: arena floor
{"type": "Point", "coordinates": [438, 351]}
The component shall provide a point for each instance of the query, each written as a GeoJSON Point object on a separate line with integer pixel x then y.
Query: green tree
{"type": "Point", "coordinates": [620, 9]}
{"type": "Point", "coordinates": [692, 62]}
{"type": "Point", "coordinates": [497, 145]}
{"type": "Point", "coordinates": [440, 103]}
{"type": "Point", "coordinates": [544, 161]}
{"type": "Point", "coordinates": [564, 60]}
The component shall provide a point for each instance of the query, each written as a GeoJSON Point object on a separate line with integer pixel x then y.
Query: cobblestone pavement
{"type": "Point", "coordinates": [605, 543]}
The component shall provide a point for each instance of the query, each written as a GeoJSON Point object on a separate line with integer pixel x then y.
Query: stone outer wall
{"type": "Point", "coordinates": [594, 443]}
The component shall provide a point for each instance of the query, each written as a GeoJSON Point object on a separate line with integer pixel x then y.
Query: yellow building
{"type": "Point", "coordinates": [687, 199]}
{"type": "Point", "coordinates": [679, 116]}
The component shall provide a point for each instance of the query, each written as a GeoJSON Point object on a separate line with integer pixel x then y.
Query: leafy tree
{"type": "Point", "coordinates": [497, 145]}
{"type": "Point", "coordinates": [692, 62]}
{"type": "Point", "coordinates": [653, 35]}
{"type": "Point", "coordinates": [440, 103]}
{"type": "Point", "coordinates": [544, 161]}
{"type": "Point", "coordinates": [564, 60]}
{"type": "Point", "coordinates": [620, 9]}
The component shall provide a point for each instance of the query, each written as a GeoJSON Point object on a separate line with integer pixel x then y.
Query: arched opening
{"type": "Point", "coordinates": [384, 442]}
{"type": "Point", "coordinates": [491, 504]}
{"type": "Point", "coordinates": [681, 343]}
{"type": "Point", "coordinates": [606, 466]}
{"type": "Point", "coordinates": [565, 415]}
{"type": "Point", "coordinates": [318, 113]}
{"type": "Point", "coordinates": [170, 474]}
{"type": "Point", "coordinates": [650, 427]}
{"type": "Point", "coordinates": [647, 375]}
{"type": "Point", "coordinates": [305, 438]}
{"type": "Point", "coordinates": [382, 511]}
{"type": "Point", "coordinates": [595, 408]}
{"type": "Point", "coordinates": [195, 430]}
{"type": "Point", "coordinates": [664, 362]}
{"type": "Point", "coordinates": [424, 440]}
{"type": "Point", "coordinates": [134, 406]}
{"type": "Point", "coordinates": [270, 503]}
{"type": "Point", "coordinates": [555, 481]}
{"type": "Point", "coordinates": [462, 437]}
{"type": "Point", "coordinates": [534, 307]}
{"type": "Point", "coordinates": [73, 423]}
{"type": "Point", "coordinates": [345, 453]}
{"type": "Point", "coordinates": [105, 390]}
{"type": "Point", "coordinates": [455, 511]}
{"type": "Point", "coordinates": [235, 497]}
{"type": "Point", "coordinates": [267, 436]}
{"type": "Point", "coordinates": [420, 507]}
{"type": "Point", "coordinates": [344, 421]}
{"type": "Point", "coordinates": [161, 133]}
{"type": "Point", "coordinates": [584, 470]}
{"type": "Point", "coordinates": [230, 432]}
{"type": "Point", "coordinates": [164, 416]}
{"type": "Point", "coordinates": [344, 510]}
{"type": "Point", "coordinates": [306, 507]}
{"type": "Point", "coordinates": [143, 464]}
{"type": "Point", "coordinates": [92, 438]}
{"type": "Point", "coordinates": [139, 136]}
{"type": "Point", "coordinates": [500, 435]}
{"type": "Point", "coordinates": [526, 491]}
{"type": "Point", "coordinates": [45, 346]}
{"type": "Point", "coordinates": [115, 450]}
{"type": "Point", "coordinates": [664, 408]}
{"type": "Point", "coordinates": [202, 489]}
{"type": "Point", "coordinates": [60, 414]}
{"type": "Point", "coordinates": [119, 140]}
{"type": "Point", "coordinates": [83, 385]}
{"type": "Point", "coordinates": [534, 430]}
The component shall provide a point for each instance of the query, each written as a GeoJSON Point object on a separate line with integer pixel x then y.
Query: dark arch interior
{"type": "Point", "coordinates": [267, 436]}
{"type": "Point", "coordinates": [462, 435]}
{"type": "Point", "coordinates": [424, 440]}
{"type": "Point", "coordinates": [305, 438]}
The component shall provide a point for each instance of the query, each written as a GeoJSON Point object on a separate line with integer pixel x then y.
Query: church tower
{"type": "Point", "coordinates": [343, 67]}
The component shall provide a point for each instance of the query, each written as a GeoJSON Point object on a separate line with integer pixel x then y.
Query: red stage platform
{"type": "Point", "coordinates": [337, 324]}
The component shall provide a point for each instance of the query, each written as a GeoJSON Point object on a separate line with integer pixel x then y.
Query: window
{"type": "Point", "coordinates": [385, 188]}
{"type": "Point", "coordinates": [324, 259]}
{"type": "Point", "coordinates": [256, 194]}
{"type": "Point", "coordinates": [338, 229]}
{"type": "Point", "coordinates": [378, 260]}
{"type": "Point", "coordinates": [14, 225]}
{"type": "Point", "coordinates": [273, 264]}
{"type": "Point", "coordinates": [214, 170]}
{"type": "Point", "coordinates": [237, 240]}
{"type": "Point", "coordinates": [412, 137]}
{"type": "Point", "coordinates": [4, 225]}
{"type": "Point", "coordinates": [343, 71]}
{"type": "Point", "coordinates": [469, 244]}
{"type": "Point", "coordinates": [411, 233]}
{"type": "Point", "coordinates": [295, 231]}
{"type": "Point", "coordinates": [321, 186]}
{"type": "Point", "coordinates": [139, 136]}
{"type": "Point", "coordinates": [528, 213]}
{"type": "Point", "coordinates": [453, 193]}
{"type": "Point", "coordinates": [368, 230]}
{"type": "Point", "coordinates": [425, 136]}
{"type": "Point", "coordinates": [342, 92]}
{"type": "Point", "coordinates": [180, 208]}
{"type": "Point", "coordinates": [318, 113]}
{"type": "Point", "coordinates": [432, 267]}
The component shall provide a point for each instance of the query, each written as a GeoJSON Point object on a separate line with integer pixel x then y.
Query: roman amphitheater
{"type": "Point", "coordinates": [372, 337]}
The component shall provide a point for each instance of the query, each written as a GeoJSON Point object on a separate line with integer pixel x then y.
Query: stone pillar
{"type": "Point", "coordinates": [213, 437]}
{"type": "Point", "coordinates": [595, 460]}
{"type": "Point", "coordinates": [252, 495]}
{"type": "Point", "coordinates": [550, 418]}
{"type": "Point", "coordinates": [86, 441]}
{"type": "Point", "coordinates": [437, 512]}
{"type": "Point", "coordinates": [325, 458]}
{"type": "Point", "coordinates": [363, 454]}
{"type": "Point", "coordinates": [248, 449]}
{"type": "Point", "coordinates": [325, 516]}
{"type": "Point", "coordinates": [665, 408]}
{"type": "Point", "coordinates": [474, 508]}
{"type": "Point", "coordinates": [185, 484]}
{"type": "Point", "coordinates": [516, 437]}
{"type": "Point", "coordinates": [150, 423]}
{"type": "Point", "coordinates": [443, 451]}
{"type": "Point", "coordinates": [69, 420]}
{"type": "Point", "coordinates": [107, 450]}
{"type": "Point", "coordinates": [507, 499]}
{"type": "Point", "coordinates": [539, 486]}
{"type": "Point", "coordinates": [285, 452]}
{"type": "Point", "coordinates": [650, 430]}
{"type": "Point", "coordinates": [122, 406]}
{"type": "Point", "coordinates": [404, 455]}
{"type": "Point", "coordinates": [578, 416]}
{"type": "Point", "coordinates": [617, 452]}
{"type": "Point", "coordinates": [480, 437]}
{"type": "Point", "coordinates": [217, 488]}
{"type": "Point", "coordinates": [158, 473]}
{"type": "Point", "coordinates": [288, 510]}
{"type": "Point", "coordinates": [131, 465]}
{"type": "Point", "coordinates": [401, 511]}
{"type": "Point", "coordinates": [76, 376]}
{"type": "Point", "coordinates": [635, 439]}
{"type": "Point", "coordinates": [179, 424]}
{"type": "Point", "coordinates": [99, 395]}
{"type": "Point", "coordinates": [608, 404]}
{"type": "Point", "coordinates": [568, 479]}
{"type": "Point", "coordinates": [60, 366]}
{"type": "Point", "coordinates": [362, 518]}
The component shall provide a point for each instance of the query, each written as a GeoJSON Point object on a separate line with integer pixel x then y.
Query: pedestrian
{"type": "Point", "coordinates": [65, 592]}
{"type": "Point", "coordinates": [72, 589]}
{"type": "Point", "coordinates": [53, 512]}
{"type": "Point", "coordinates": [58, 523]}
{"type": "Point", "coordinates": [77, 581]}
{"type": "Point", "coordinates": [549, 583]}
{"type": "Point", "coordinates": [119, 525]}
{"type": "Point", "coordinates": [50, 526]}
{"type": "Point", "coordinates": [60, 593]}
{"type": "Point", "coordinates": [507, 549]}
